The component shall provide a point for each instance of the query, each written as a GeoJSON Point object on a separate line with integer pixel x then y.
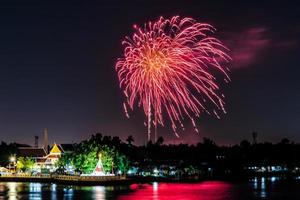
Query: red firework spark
{"type": "Point", "coordinates": [168, 66]}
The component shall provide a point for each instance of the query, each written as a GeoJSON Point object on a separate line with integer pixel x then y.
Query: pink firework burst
{"type": "Point", "coordinates": [170, 66]}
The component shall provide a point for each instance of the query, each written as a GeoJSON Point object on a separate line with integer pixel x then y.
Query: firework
{"type": "Point", "coordinates": [170, 66]}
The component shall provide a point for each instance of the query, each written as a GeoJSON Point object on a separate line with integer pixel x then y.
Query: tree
{"type": "Point", "coordinates": [25, 164]}
{"type": "Point", "coordinates": [122, 162]}
{"type": "Point", "coordinates": [64, 160]}
{"type": "Point", "coordinates": [6, 150]}
{"type": "Point", "coordinates": [85, 157]}
{"type": "Point", "coordinates": [116, 141]}
{"type": "Point", "coordinates": [245, 144]}
{"type": "Point", "coordinates": [208, 142]}
{"type": "Point", "coordinates": [87, 153]}
{"type": "Point", "coordinates": [130, 139]}
{"type": "Point", "coordinates": [284, 141]}
{"type": "Point", "coordinates": [160, 141]}
{"type": "Point", "coordinates": [107, 158]}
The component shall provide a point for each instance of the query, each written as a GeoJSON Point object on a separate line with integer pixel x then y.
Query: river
{"type": "Point", "coordinates": [256, 188]}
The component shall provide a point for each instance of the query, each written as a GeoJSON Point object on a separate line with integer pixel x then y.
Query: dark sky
{"type": "Point", "coordinates": [57, 69]}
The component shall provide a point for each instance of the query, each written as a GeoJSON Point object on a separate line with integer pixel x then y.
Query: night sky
{"type": "Point", "coordinates": [57, 69]}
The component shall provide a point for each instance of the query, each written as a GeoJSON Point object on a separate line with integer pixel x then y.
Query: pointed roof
{"type": "Point", "coordinates": [55, 149]}
{"type": "Point", "coordinates": [99, 170]}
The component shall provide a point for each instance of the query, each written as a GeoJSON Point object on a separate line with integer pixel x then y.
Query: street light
{"type": "Point", "coordinates": [13, 161]}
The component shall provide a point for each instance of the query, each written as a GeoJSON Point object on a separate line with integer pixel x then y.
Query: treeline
{"type": "Point", "coordinates": [87, 153]}
{"type": "Point", "coordinates": [6, 151]}
{"type": "Point", "coordinates": [206, 154]}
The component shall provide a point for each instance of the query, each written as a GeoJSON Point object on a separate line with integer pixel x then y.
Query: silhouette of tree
{"type": "Point", "coordinates": [160, 141]}
{"type": "Point", "coordinates": [245, 144]}
{"type": "Point", "coordinates": [116, 141]}
{"type": "Point", "coordinates": [285, 141]}
{"type": "Point", "coordinates": [208, 142]}
{"type": "Point", "coordinates": [130, 139]}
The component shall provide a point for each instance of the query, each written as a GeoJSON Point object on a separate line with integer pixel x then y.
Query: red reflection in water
{"type": "Point", "coordinates": [209, 190]}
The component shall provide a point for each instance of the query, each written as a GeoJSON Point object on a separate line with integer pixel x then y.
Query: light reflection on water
{"type": "Point", "coordinates": [35, 191]}
{"type": "Point", "coordinates": [12, 190]}
{"type": "Point", "coordinates": [256, 188]}
{"type": "Point", "coordinates": [68, 193]}
{"type": "Point", "coordinates": [53, 191]}
{"type": "Point", "coordinates": [208, 190]}
{"type": "Point", "coordinates": [99, 192]}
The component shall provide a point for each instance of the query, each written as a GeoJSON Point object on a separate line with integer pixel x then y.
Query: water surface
{"type": "Point", "coordinates": [257, 188]}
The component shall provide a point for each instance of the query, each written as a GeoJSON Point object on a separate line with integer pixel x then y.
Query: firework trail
{"type": "Point", "coordinates": [170, 66]}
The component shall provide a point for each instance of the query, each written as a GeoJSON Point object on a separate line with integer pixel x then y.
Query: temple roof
{"type": "Point", "coordinates": [55, 149]}
{"type": "Point", "coordinates": [32, 152]}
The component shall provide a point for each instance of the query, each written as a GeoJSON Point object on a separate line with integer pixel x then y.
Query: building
{"type": "Point", "coordinates": [44, 160]}
{"type": "Point", "coordinates": [37, 154]}
{"type": "Point", "coordinates": [53, 156]}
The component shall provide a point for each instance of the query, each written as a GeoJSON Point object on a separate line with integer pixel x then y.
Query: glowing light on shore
{"type": "Point", "coordinates": [170, 66]}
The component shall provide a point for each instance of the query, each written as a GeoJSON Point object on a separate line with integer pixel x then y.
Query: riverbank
{"type": "Point", "coordinates": [118, 180]}
{"type": "Point", "coordinates": [93, 180]}
{"type": "Point", "coordinates": [66, 179]}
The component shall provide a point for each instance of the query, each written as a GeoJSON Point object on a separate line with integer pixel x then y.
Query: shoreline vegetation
{"type": "Point", "coordinates": [106, 155]}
